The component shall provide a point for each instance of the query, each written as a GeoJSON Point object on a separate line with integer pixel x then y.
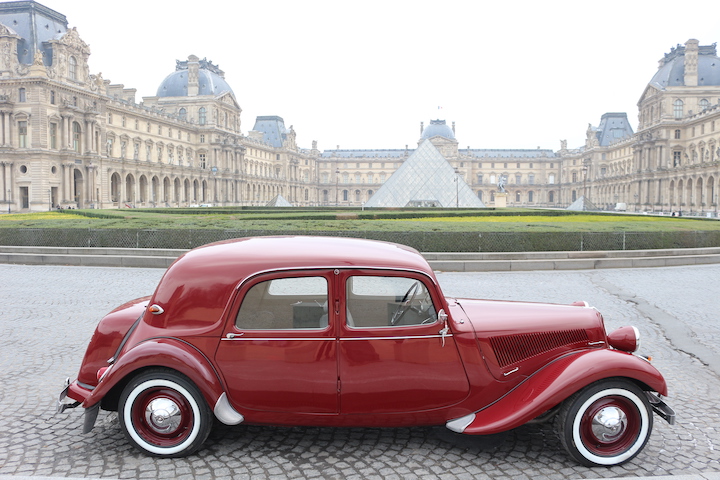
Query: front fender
{"type": "Point", "coordinates": [166, 353]}
{"type": "Point", "coordinates": [553, 384]}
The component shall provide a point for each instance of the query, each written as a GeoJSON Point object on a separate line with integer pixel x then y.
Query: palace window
{"type": "Point", "coordinates": [704, 104]}
{"type": "Point", "coordinates": [677, 159]}
{"type": "Point", "coordinates": [182, 114]}
{"type": "Point", "coordinates": [202, 116]}
{"type": "Point", "coordinates": [201, 160]}
{"type": "Point", "coordinates": [677, 134]}
{"type": "Point", "coordinates": [202, 138]}
{"type": "Point", "coordinates": [76, 136]}
{"type": "Point", "coordinates": [53, 135]}
{"type": "Point", "coordinates": [22, 97]}
{"type": "Point", "coordinates": [72, 68]}
{"type": "Point", "coordinates": [52, 97]}
{"type": "Point", "coordinates": [22, 134]}
{"type": "Point", "coordinates": [678, 109]}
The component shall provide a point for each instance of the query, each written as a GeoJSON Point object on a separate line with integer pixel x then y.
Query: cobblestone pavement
{"type": "Point", "coordinates": [48, 313]}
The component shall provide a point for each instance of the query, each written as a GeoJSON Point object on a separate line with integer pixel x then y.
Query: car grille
{"type": "Point", "coordinates": [511, 349]}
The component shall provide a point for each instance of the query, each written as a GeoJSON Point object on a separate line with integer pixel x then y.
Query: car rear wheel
{"type": "Point", "coordinates": [606, 424]}
{"type": "Point", "coordinates": [164, 414]}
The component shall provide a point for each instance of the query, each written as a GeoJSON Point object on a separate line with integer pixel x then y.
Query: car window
{"type": "Point", "coordinates": [377, 301]}
{"type": "Point", "coordinates": [285, 303]}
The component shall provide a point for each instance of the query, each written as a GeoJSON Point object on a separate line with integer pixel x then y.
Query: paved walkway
{"type": "Point", "coordinates": [48, 313]}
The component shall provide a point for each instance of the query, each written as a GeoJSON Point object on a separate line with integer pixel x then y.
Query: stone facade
{"type": "Point", "coordinates": [71, 139]}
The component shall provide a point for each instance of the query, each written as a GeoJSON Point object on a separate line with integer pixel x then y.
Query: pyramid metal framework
{"type": "Point", "coordinates": [583, 204]}
{"type": "Point", "coordinates": [425, 179]}
{"type": "Point", "coordinates": [278, 201]}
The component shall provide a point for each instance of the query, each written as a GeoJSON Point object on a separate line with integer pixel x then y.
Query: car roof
{"type": "Point", "coordinates": [256, 254]}
{"type": "Point", "coordinates": [203, 278]}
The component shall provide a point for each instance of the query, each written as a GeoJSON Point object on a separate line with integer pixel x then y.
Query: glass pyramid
{"type": "Point", "coordinates": [425, 179]}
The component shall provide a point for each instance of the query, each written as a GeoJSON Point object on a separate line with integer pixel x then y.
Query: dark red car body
{"type": "Point", "coordinates": [314, 331]}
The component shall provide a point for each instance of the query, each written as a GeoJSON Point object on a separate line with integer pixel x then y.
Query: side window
{"type": "Point", "coordinates": [285, 303]}
{"type": "Point", "coordinates": [387, 301]}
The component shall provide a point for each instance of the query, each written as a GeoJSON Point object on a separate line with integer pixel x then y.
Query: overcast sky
{"type": "Point", "coordinates": [516, 74]}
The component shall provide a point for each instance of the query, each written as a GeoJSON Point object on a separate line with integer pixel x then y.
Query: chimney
{"type": "Point", "coordinates": [421, 127]}
{"type": "Point", "coordinates": [193, 80]}
{"type": "Point", "coordinates": [453, 128]}
{"type": "Point", "coordinates": [691, 63]}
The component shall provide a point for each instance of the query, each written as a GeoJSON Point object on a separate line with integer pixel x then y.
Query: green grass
{"type": "Point", "coordinates": [391, 220]}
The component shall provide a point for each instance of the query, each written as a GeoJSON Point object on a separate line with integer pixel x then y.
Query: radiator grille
{"type": "Point", "coordinates": [511, 349]}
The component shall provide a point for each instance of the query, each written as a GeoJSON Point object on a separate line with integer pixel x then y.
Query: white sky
{"type": "Point", "coordinates": [511, 74]}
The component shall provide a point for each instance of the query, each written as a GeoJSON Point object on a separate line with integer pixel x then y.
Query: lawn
{"type": "Point", "coordinates": [508, 220]}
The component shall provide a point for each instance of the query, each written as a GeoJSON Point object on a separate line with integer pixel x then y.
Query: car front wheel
{"type": "Point", "coordinates": [164, 414]}
{"type": "Point", "coordinates": [607, 423]}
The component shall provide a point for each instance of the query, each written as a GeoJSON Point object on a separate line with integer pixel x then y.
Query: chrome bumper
{"type": "Point", "coordinates": [661, 408]}
{"type": "Point", "coordinates": [62, 403]}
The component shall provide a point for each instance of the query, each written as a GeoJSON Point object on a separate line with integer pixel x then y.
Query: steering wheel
{"type": "Point", "coordinates": [405, 303]}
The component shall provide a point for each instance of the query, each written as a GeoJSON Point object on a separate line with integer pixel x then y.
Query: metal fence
{"type": "Point", "coordinates": [422, 241]}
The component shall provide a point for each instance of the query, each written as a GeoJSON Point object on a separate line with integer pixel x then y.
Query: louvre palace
{"type": "Point", "coordinates": [72, 139]}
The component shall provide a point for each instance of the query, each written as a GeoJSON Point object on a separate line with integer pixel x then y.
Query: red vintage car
{"type": "Point", "coordinates": [323, 331]}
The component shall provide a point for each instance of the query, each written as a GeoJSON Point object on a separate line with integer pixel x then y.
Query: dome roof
{"type": "Point", "coordinates": [672, 71]}
{"type": "Point", "coordinates": [437, 128]}
{"type": "Point", "coordinates": [210, 81]}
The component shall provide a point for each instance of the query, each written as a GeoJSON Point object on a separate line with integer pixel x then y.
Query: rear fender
{"type": "Point", "coordinates": [553, 384]}
{"type": "Point", "coordinates": [168, 353]}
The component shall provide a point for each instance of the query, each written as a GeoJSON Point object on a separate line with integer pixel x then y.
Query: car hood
{"type": "Point", "coordinates": [518, 338]}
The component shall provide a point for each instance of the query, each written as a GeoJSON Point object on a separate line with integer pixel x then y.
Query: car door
{"type": "Point", "coordinates": [394, 354]}
{"type": "Point", "coordinates": [278, 351]}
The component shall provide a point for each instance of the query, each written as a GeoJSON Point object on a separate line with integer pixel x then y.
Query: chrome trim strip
{"type": "Point", "coordinates": [267, 339]}
{"type": "Point", "coordinates": [596, 343]}
{"type": "Point", "coordinates": [407, 337]}
{"type": "Point", "coordinates": [285, 339]}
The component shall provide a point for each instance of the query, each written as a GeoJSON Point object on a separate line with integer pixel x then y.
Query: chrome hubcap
{"type": "Point", "coordinates": [609, 424]}
{"type": "Point", "coordinates": [163, 415]}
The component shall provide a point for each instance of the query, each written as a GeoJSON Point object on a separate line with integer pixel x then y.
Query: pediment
{"type": "Point", "coordinates": [229, 99]}
{"type": "Point", "coordinates": [650, 91]}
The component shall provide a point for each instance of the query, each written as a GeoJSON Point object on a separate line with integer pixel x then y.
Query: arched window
{"type": "Point", "coordinates": [678, 108]}
{"type": "Point", "coordinates": [182, 114]}
{"type": "Point", "coordinates": [704, 104]}
{"type": "Point", "coordinates": [202, 116]}
{"type": "Point", "coordinates": [357, 195]}
{"type": "Point", "coordinates": [72, 68]}
{"type": "Point", "coordinates": [517, 197]}
{"type": "Point", "coordinates": [76, 136]}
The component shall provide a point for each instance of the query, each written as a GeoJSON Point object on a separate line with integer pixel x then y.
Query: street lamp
{"type": "Point", "coordinates": [457, 188]}
{"type": "Point", "coordinates": [337, 192]}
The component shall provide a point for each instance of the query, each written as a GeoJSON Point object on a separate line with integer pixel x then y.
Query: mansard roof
{"type": "Point", "coordinates": [273, 129]}
{"type": "Point", "coordinates": [671, 72]}
{"type": "Point", "coordinates": [211, 80]}
{"type": "Point", "coordinates": [614, 126]}
{"type": "Point", "coordinates": [36, 25]}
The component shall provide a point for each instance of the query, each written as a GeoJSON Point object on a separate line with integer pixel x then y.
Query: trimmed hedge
{"type": "Point", "coordinates": [422, 241]}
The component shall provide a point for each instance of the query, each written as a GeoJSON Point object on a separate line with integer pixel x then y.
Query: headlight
{"type": "Point", "coordinates": [626, 339]}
